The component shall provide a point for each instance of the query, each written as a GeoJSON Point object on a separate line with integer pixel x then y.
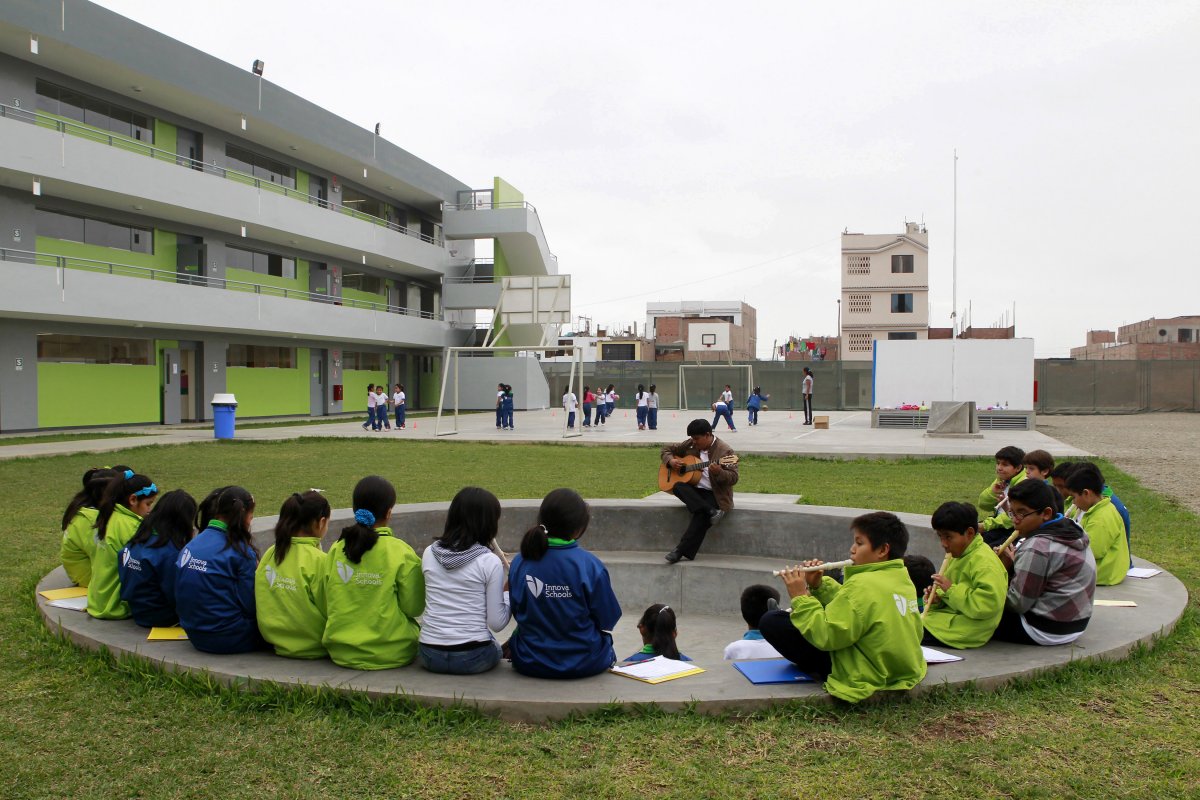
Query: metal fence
{"type": "Point", "coordinates": [1063, 386]}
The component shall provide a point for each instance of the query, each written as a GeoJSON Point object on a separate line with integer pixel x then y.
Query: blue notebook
{"type": "Point", "coordinates": [775, 670]}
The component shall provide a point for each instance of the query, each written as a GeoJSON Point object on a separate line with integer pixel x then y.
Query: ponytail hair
{"type": "Point", "coordinates": [659, 623]}
{"type": "Point", "coordinates": [117, 492]}
{"type": "Point", "coordinates": [563, 514]}
{"type": "Point", "coordinates": [232, 506]}
{"type": "Point", "coordinates": [374, 497]}
{"type": "Point", "coordinates": [94, 482]}
{"type": "Point", "coordinates": [206, 512]}
{"type": "Point", "coordinates": [298, 514]}
{"type": "Point", "coordinates": [641, 391]}
{"type": "Point", "coordinates": [171, 520]}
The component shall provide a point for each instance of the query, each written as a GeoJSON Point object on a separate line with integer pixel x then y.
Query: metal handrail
{"type": "Point", "coordinates": [186, 279]}
{"type": "Point", "coordinates": [134, 146]}
{"type": "Point", "coordinates": [489, 204]}
{"type": "Point", "coordinates": [471, 279]}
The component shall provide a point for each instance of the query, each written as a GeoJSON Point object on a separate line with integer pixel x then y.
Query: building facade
{"type": "Point", "coordinates": [1177, 338]}
{"type": "Point", "coordinates": [172, 227]}
{"type": "Point", "coordinates": [667, 326]}
{"type": "Point", "coordinates": [885, 289]}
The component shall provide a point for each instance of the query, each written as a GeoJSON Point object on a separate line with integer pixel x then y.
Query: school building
{"type": "Point", "coordinates": [172, 227]}
{"type": "Point", "coordinates": [885, 289]}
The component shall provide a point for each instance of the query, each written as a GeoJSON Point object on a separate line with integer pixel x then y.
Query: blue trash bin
{"type": "Point", "coordinates": [224, 415]}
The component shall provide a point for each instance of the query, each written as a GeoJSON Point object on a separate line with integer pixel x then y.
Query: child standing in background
{"type": "Point", "coordinates": [148, 566]}
{"type": "Point", "coordinates": [569, 403]}
{"type": "Point", "coordinates": [588, 399]}
{"type": "Point", "coordinates": [214, 592]}
{"type": "Point", "coordinates": [371, 402]}
{"type": "Point", "coordinates": [652, 408]}
{"type": "Point", "coordinates": [289, 584]}
{"type": "Point", "coordinates": [753, 406]}
{"type": "Point", "coordinates": [657, 627]}
{"type": "Point", "coordinates": [643, 400]}
{"type": "Point", "coordinates": [374, 588]}
{"type": "Point", "coordinates": [400, 402]}
{"type": "Point", "coordinates": [127, 498]}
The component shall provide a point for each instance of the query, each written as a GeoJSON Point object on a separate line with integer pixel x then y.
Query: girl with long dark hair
{"type": "Point", "coordinates": [289, 584]}
{"type": "Point", "coordinates": [148, 566]}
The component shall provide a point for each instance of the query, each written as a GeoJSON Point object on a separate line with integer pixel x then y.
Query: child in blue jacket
{"type": "Point", "coordinates": [561, 596]}
{"type": "Point", "coordinates": [214, 592]}
{"type": "Point", "coordinates": [147, 565]}
{"type": "Point", "coordinates": [657, 627]}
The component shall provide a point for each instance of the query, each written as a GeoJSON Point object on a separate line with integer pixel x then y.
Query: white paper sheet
{"type": "Point", "coordinates": [73, 603]}
{"type": "Point", "coordinates": [1142, 572]}
{"type": "Point", "coordinates": [657, 667]}
{"type": "Point", "coordinates": [937, 656]}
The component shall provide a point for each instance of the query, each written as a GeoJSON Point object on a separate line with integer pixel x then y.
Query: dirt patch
{"type": "Point", "coordinates": [1160, 450]}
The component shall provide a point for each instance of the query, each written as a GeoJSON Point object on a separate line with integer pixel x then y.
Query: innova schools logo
{"type": "Point", "coordinates": [345, 571]}
{"type": "Point", "coordinates": [550, 590]}
{"type": "Point", "coordinates": [535, 586]}
{"type": "Point", "coordinates": [270, 573]}
{"type": "Point", "coordinates": [903, 606]}
{"type": "Point", "coordinates": [185, 557]}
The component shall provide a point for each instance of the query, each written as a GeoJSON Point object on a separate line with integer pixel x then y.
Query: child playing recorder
{"type": "Point", "coordinates": [861, 636]}
{"type": "Point", "coordinates": [966, 601]}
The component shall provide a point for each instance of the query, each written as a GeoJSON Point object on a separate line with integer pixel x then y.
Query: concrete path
{"type": "Point", "coordinates": [849, 436]}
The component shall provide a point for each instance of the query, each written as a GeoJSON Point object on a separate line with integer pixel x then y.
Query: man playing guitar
{"type": "Point", "coordinates": [712, 496]}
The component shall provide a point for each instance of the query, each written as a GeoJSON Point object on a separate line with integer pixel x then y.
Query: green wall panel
{"type": "Point", "coordinates": [301, 181]}
{"type": "Point", "coordinates": [364, 297]}
{"type": "Point", "coordinates": [431, 385]}
{"type": "Point", "coordinates": [300, 282]}
{"type": "Point", "coordinates": [163, 257]}
{"type": "Point", "coordinates": [354, 386]}
{"type": "Point", "coordinates": [166, 137]}
{"type": "Point", "coordinates": [97, 394]}
{"type": "Point", "coordinates": [269, 392]}
{"type": "Point", "coordinates": [505, 192]}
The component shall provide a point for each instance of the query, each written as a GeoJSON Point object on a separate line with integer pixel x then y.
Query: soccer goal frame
{"type": "Point", "coordinates": [450, 360]}
{"type": "Point", "coordinates": [683, 379]}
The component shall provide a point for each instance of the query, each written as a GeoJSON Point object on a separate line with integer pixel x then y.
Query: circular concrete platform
{"type": "Point", "coordinates": [631, 536]}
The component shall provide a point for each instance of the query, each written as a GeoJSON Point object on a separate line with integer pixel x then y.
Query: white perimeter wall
{"type": "Point", "coordinates": [985, 371]}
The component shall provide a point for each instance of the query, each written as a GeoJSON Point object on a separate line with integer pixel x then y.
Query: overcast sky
{"type": "Point", "coordinates": [709, 151]}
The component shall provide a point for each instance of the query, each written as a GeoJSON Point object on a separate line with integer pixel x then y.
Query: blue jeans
{"type": "Point", "coordinates": [587, 415]}
{"type": "Point", "coordinates": [400, 415]}
{"type": "Point", "coordinates": [641, 416]}
{"type": "Point", "coordinates": [377, 418]}
{"type": "Point", "coordinates": [652, 418]}
{"type": "Point", "coordinates": [723, 413]}
{"type": "Point", "coordinates": [459, 662]}
{"type": "Point", "coordinates": [571, 419]}
{"type": "Point", "coordinates": [752, 416]}
{"type": "Point", "coordinates": [499, 416]}
{"type": "Point", "coordinates": [599, 414]}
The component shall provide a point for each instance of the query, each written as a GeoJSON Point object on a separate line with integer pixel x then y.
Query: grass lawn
{"type": "Point", "coordinates": [79, 725]}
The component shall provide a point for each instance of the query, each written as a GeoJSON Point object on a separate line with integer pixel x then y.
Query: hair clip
{"type": "Point", "coordinates": [364, 517]}
{"type": "Point", "coordinates": [147, 491]}
{"type": "Point", "coordinates": [128, 474]}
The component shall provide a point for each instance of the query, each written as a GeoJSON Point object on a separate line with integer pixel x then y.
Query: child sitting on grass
{"type": "Point", "coordinates": [657, 627]}
{"type": "Point", "coordinates": [756, 601]}
{"type": "Point", "coordinates": [1102, 522]}
{"type": "Point", "coordinates": [994, 522]}
{"type": "Point", "coordinates": [861, 636]}
{"type": "Point", "coordinates": [965, 602]}
{"type": "Point", "coordinates": [1053, 572]}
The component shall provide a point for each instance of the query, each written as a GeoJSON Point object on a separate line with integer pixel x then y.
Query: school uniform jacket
{"type": "Point", "coordinates": [289, 599]}
{"type": "Point", "coordinates": [563, 604]}
{"type": "Point", "coordinates": [148, 582]}
{"type": "Point", "coordinates": [79, 545]}
{"type": "Point", "coordinates": [104, 588]}
{"type": "Point", "coordinates": [723, 481]}
{"type": "Point", "coordinates": [990, 518]}
{"type": "Point", "coordinates": [967, 613]}
{"type": "Point", "coordinates": [1106, 531]}
{"type": "Point", "coordinates": [214, 594]}
{"type": "Point", "coordinates": [870, 626]}
{"type": "Point", "coordinates": [371, 606]}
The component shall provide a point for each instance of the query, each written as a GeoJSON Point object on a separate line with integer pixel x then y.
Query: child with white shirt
{"type": "Point", "coordinates": [570, 401]}
{"type": "Point", "coordinates": [756, 601]}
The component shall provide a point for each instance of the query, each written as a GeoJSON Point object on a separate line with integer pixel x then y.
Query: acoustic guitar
{"type": "Point", "coordinates": [690, 472]}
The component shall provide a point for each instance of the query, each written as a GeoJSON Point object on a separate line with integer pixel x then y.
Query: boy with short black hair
{"type": "Point", "coordinates": [1103, 523]}
{"type": "Point", "coordinates": [757, 600]}
{"type": "Point", "coordinates": [920, 572]}
{"type": "Point", "coordinates": [1038, 465]}
{"type": "Point", "coordinates": [860, 636]}
{"type": "Point", "coordinates": [1053, 573]}
{"type": "Point", "coordinates": [994, 523]}
{"type": "Point", "coordinates": [967, 600]}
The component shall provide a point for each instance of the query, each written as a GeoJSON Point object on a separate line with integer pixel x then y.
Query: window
{"type": "Point", "coordinates": [57, 225]}
{"type": "Point", "coordinates": [1185, 335]}
{"type": "Point", "coordinates": [352, 198]}
{"type": "Point", "coordinates": [902, 303]}
{"type": "Point", "coordinates": [902, 263]}
{"type": "Point", "coordinates": [359, 281]}
{"type": "Point", "coordinates": [858, 304]}
{"type": "Point", "coordinates": [256, 356]}
{"type": "Point", "coordinates": [860, 342]}
{"type": "Point", "coordinates": [260, 166]}
{"type": "Point", "coordinates": [93, 111]}
{"type": "Point", "coordinates": [93, 349]}
{"type": "Point", "coordinates": [262, 263]}
{"type": "Point", "coordinates": [902, 335]}
{"type": "Point", "coordinates": [362, 361]}
{"type": "Point", "coordinates": [618, 352]}
{"type": "Point", "coordinates": [858, 265]}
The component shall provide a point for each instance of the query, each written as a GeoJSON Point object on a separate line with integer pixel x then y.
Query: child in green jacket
{"type": "Point", "coordinates": [1102, 523]}
{"type": "Point", "coordinates": [994, 523]}
{"type": "Point", "coordinates": [289, 584]}
{"type": "Point", "coordinates": [861, 636]}
{"type": "Point", "coordinates": [374, 587]}
{"type": "Point", "coordinates": [127, 498]}
{"type": "Point", "coordinates": [965, 602]}
{"type": "Point", "coordinates": [79, 525]}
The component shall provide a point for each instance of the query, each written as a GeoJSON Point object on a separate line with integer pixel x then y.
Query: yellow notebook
{"type": "Point", "coordinates": [657, 670]}
{"type": "Point", "coordinates": [64, 594]}
{"type": "Point", "coordinates": [172, 634]}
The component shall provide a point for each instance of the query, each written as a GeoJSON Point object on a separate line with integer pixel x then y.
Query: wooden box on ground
{"type": "Point", "coordinates": [821, 423]}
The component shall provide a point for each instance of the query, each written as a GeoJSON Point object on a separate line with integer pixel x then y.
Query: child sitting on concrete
{"type": "Point", "coordinates": [1102, 522]}
{"type": "Point", "coordinates": [968, 598]}
{"type": "Point", "coordinates": [994, 522]}
{"type": "Point", "coordinates": [756, 601]}
{"type": "Point", "coordinates": [657, 627]}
